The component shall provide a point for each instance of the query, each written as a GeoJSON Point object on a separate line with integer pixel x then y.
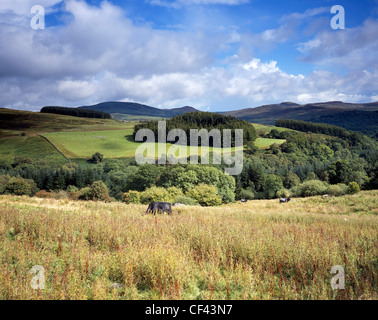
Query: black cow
{"type": "Point", "coordinates": [282, 200]}
{"type": "Point", "coordinates": [159, 207]}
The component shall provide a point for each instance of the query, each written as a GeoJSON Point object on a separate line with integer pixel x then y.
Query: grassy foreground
{"type": "Point", "coordinates": [256, 250]}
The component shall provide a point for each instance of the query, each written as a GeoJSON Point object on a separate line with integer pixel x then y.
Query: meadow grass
{"type": "Point", "coordinates": [111, 143]}
{"type": "Point", "coordinates": [265, 143]}
{"type": "Point", "coordinates": [255, 250]}
{"type": "Point", "coordinates": [34, 147]}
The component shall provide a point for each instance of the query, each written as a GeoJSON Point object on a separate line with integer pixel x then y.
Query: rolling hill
{"type": "Point", "coordinates": [119, 109]}
{"type": "Point", "coordinates": [351, 116]}
{"type": "Point", "coordinates": [267, 114]}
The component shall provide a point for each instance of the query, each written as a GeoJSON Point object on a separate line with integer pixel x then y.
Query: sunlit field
{"type": "Point", "coordinates": [111, 143]}
{"type": "Point", "coordinates": [255, 250]}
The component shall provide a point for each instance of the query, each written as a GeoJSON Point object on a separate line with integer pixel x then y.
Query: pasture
{"type": "Point", "coordinates": [255, 250]}
{"type": "Point", "coordinates": [76, 138]}
{"type": "Point", "coordinates": [111, 143]}
{"type": "Point", "coordinates": [265, 143]}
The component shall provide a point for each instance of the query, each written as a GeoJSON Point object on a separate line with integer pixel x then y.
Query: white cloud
{"type": "Point", "coordinates": [24, 6]}
{"type": "Point", "coordinates": [101, 55]}
{"type": "Point", "coordinates": [352, 48]}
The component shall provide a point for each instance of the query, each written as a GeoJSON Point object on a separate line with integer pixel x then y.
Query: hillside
{"type": "Point", "coordinates": [119, 109]}
{"type": "Point", "coordinates": [351, 116]}
{"type": "Point", "coordinates": [36, 135]}
{"type": "Point", "coordinates": [20, 133]}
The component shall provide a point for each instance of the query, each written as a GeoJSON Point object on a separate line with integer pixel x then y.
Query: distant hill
{"type": "Point", "coordinates": [355, 120]}
{"type": "Point", "coordinates": [131, 108]}
{"type": "Point", "coordinates": [352, 116]}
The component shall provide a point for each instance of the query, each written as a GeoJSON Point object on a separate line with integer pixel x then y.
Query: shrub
{"type": "Point", "coordinates": [132, 197]}
{"type": "Point", "coordinates": [43, 194]}
{"type": "Point", "coordinates": [20, 186]}
{"type": "Point", "coordinates": [353, 188]}
{"type": "Point", "coordinates": [99, 191]}
{"type": "Point", "coordinates": [155, 194]}
{"type": "Point", "coordinates": [85, 193]}
{"type": "Point", "coordinates": [283, 193]}
{"type": "Point", "coordinates": [205, 195]}
{"type": "Point", "coordinates": [335, 190]}
{"type": "Point", "coordinates": [185, 200]}
{"type": "Point", "coordinates": [4, 179]}
{"type": "Point", "coordinates": [74, 195]}
{"type": "Point", "coordinates": [5, 165]}
{"type": "Point", "coordinates": [273, 183]}
{"type": "Point", "coordinates": [21, 160]}
{"type": "Point", "coordinates": [312, 188]}
{"type": "Point", "coordinates": [343, 187]}
{"type": "Point", "coordinates": [174, 192]}
{"type": "Point", "coordinates": [61, 194]}
{"type": "Point", "coordinates": [246, 194]}
{"type": "Point", "coordinates": [97, 158]}
{"type": "Point", "coordinates": [72, 189]}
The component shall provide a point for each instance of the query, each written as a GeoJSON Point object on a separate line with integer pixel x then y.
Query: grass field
{"type": "Point", "coordinates": [264, 129]}
{"type": "Point", "coordinates": [33, 147]}
{"type": "Point", "coordinates": [111, 143]}
{"type": "Point", "coordinates": [13, 123]}
{"type": "Point", "coordinates": [265, 143]}
{"type": "Point", "coordinates": [255, 250]}
{"type": "Point", "coordinates": [76, 138]}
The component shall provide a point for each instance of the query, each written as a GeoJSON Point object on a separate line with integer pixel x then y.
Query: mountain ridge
{"type": "Point", "coordinates": [351, 116]}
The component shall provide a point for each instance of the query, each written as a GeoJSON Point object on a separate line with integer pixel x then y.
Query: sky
{"type": "Point", "coordinates": [214, 55]}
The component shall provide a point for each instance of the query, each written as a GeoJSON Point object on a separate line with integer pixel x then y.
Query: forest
{"type": "Point", "coordinates": [76, 112]}
{"type": "Point", "coordinates": [331, 161]}
{"type": "Point", "coordinates": [202, 120]}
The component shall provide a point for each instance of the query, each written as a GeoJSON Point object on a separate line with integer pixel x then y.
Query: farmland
{"type": "Point", "coordinates": [76, 138]}
{"type": "Point", "coordinates": [256, 250]}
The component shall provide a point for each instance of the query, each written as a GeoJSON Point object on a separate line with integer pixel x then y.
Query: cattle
{"type": "Point", "coordinates": [282, 200]}
{"type": "Point", "coordinates": [159, 207]}
{"type": "Point", "coordinates": [324, 196]}
{"type": "Point", "coordinates": [243, 200]}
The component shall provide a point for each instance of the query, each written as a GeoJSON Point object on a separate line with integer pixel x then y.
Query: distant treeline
{"type": "Point", "coordinates": [203, 120]}
{"type": "Point", "coordinates": [356, 120]}
{"type": "Point", "coordinates": [322, 128]}
{"type": "Point", "coordinates": [77, 112]}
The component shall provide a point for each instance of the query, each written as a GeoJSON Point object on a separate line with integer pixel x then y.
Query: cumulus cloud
{"type": "Point", "coordinates": [352, 48]}
{"type": "Point", "coordinates": [97, 39]}
{"type": "Point", "coordinates": [100, 54]}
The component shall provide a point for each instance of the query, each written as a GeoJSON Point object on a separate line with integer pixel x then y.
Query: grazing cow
{"type": "Point", "coordinates": [282, 200]}
{"type": "Point", "coordinates": [159, 206]}
{"type": "Point", "coordinates": [324, 196]}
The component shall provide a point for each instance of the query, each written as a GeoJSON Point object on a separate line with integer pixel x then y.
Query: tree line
{"type": "Point", "coordinates": [202, 120]}
{"type": "Point", "coordinates": [76, 112]}
{"type": "Point", "coordinates": [321, 128]}
{"type": "Point", "coordinates": [305, 164]}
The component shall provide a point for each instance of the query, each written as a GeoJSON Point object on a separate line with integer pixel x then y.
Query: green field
{"type": "Point", "coordinates": [111, 143]}
{"type": "Point", "coordinates": [76, 138]}
{"type": "Point", "coordinates": [265, 129]}
{"type": "Point", "coordinates": [265, 143]}
{"type": "Point", "coordinates": [33, 147]}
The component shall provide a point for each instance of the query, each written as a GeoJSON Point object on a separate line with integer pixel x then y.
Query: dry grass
{"type": "Point", "coordinates": [257, 250]}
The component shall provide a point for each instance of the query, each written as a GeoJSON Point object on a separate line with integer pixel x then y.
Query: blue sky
{"type": "Point", "coordinates": [211, 54]}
